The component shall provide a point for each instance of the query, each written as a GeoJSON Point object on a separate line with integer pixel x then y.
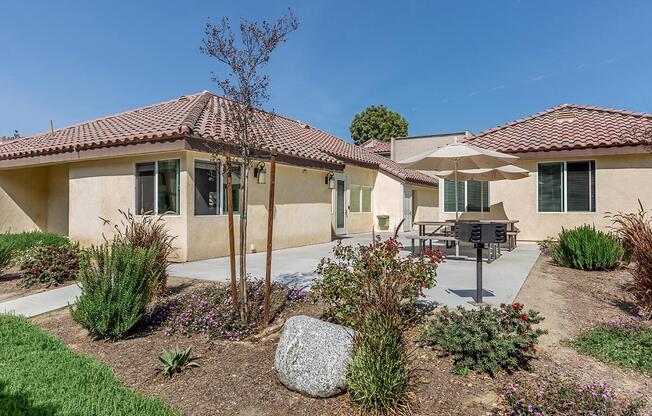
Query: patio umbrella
{"type": "Point", "coordinates": [458, 156]}
{"type": "Point", "coordinates": [509, 172]}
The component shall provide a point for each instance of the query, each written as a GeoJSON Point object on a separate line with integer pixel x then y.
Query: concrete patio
{"type": "Point", "coordinates": [503, 278]}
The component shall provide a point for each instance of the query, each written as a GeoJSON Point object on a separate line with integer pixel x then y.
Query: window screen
{"type": "Point", "coordinates": [551, 187]}
{"type": "Point", "coordinates": [473, 194]}
{"type": "Point", "coordinates": [580, 182]}
{"type": "Point", "coordinates": [168, 187]}
{"type": "Point", "coordinates": [145, 188]}
{"type": "Point", "coordinates": [449, 196]}
{"type": "Point", "coordinates": [366, 199]}
{"type": "Point", "coordinates": [206, 188]}
{"type": "Point", "coordinates": [235, 175]}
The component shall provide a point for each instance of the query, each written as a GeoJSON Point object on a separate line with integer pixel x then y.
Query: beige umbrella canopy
{"type": "Point", "coordinates": [457, 156]}
{"type": "Point", "coordinates": [509, 172]}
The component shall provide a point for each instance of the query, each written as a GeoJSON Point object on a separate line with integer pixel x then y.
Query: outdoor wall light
{"type": "Point", "coordinates": [330, 180]}
{"type": "Point", "coordinates": [260, 173]}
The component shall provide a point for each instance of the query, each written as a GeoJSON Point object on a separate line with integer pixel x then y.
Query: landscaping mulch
{"type": "Point", "coordinates": [238, 378]}
{"type": "Point", "coordinates": [10, 287]}
{"type": "Point", "coordinates": [573, 301]}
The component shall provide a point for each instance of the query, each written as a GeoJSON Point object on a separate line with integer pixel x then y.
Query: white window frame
{"type": "Point", "coordinates": [155, 162]}
{"type": "Point", "coordinates": [466, 199]}
{"type": "Point", "coordinates": [565, 181]}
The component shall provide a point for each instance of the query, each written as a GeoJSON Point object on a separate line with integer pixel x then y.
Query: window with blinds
{"type": "Point", "coordinates": [360, 200]}
{"type": "Point", "coordinates": [474, 193]}
{"type": "Point", "coordinates": [469, 194]}
{"type": "Point", "coordinates": [566, 186]}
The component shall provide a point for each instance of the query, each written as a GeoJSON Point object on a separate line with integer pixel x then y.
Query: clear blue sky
{"type": "Point", "coordinates": [445, 66]}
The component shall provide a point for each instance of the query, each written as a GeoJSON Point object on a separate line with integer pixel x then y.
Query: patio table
{"type": "Point", "coordinates": [446, 225]}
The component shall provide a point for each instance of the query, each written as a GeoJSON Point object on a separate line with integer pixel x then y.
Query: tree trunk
{"type": "Point", "coordinates": [229, 203]}
{"type": "Point", "coordinates": [244, 180]}
{"type": "Point", "coordinates": [270, 234]}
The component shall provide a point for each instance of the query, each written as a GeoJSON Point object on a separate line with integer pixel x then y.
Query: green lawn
{"type": "Point", "coordinates": [624, 347]}
{"type": "Point", "coordinates": [40, 376]}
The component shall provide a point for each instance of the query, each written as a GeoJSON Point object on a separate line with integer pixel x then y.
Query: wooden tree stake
{"type": "Point", "coordinates": [270, 233]}
{"type": "Point", "coordinates": [229, 209]}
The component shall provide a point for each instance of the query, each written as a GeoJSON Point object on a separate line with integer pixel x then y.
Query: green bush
{"type": "Point", "coordinates": [145, 232]}
{"type": "Point", "coordinates": [5, 256]}
{"type": "Point", "coordinates": [115, 290]}
{"type": "Point", "coordinates": [340, 280]}
{"type": "Point", "coordinates": [486, 339]}
{"type": "Point", "coordinates": [28, 239]}
{"type": "Point", "coordinates": [49, 265]}
{"type": "Point", "coordinates": [379, 373]}
{"type": "Point", "coordinates": [586, 248]}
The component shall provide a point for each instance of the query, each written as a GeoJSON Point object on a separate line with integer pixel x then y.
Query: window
{"type": "Point", "coordinates": [566, 186]}
{"type": "Point", "coordinates": [210, 188]}
{"type": "Point", "coordinates": [360, 200]}
{"type": "Point", "coordinates": [157, 187]}
{"type": "Point", "coordinates": [207, 188]}
{"type": "Point", "coordinates": [469, 194]}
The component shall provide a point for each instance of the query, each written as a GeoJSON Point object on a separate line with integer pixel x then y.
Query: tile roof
{"type": "Point", "coordinates": [384, 147]}
{"type": "Point", "coordinates": [204, 115]}
{"type": "Point", "coordinates": [567, 127]}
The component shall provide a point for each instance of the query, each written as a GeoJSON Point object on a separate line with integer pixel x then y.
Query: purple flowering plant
{"type": "Point", "coordinates": [208, 310]}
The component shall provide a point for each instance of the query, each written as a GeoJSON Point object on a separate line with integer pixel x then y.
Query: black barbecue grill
{"type": "Point", "coordinates": [480, 233]}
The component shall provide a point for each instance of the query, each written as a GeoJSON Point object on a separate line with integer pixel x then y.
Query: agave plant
{"type": "Point", "coordinates": [176, 360]}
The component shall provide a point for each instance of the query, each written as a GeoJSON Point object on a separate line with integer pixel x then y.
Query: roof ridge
{"type": "Point", "coordinates": [189, 122]}
{"type": "Point", "coordinates": [110, 116]}
{"type": "Point", "coordinates": [556, 108]}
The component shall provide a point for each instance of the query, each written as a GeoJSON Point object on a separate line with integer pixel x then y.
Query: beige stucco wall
{"type": "Point", "coordinates": [34, 199]}
{"type": "Point", "coordinates": [302, 215]}
{"type": "Point", "coordinates": [620, 182]}
{"type": "Point", "coordinates": [388, 200]}
{"type": "Point", "coordinates": [426, 204]}
{"type": "Point", "coordinates": [98, 189]}
{"type": "Point", "coordinates": [23, 199]}
{"type": "Point", "coordinates": [359, 222]}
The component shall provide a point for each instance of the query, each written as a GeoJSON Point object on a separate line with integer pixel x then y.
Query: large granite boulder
{"type": "Point", "coordinates": [313, 356]}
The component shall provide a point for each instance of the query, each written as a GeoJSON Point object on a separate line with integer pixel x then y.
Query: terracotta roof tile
{"type": "Point", "coordinates": [569, 126]}
{"type": "Point", "coordinates": [204, 115]}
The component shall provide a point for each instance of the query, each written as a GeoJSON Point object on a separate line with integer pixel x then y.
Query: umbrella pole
{"type": "Point", "coordinates": [457, 243]}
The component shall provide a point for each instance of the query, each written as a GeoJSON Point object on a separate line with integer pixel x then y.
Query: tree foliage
{"type": "Point", "coordinates": [242, 59]}
{"type": "Point", "coordinates": [377, 122]}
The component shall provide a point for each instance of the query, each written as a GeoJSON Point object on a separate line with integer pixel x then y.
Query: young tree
{"type": "Point", "coordinates": [247, 88]}
{"type": "Point", "coordinates": [377, 122]}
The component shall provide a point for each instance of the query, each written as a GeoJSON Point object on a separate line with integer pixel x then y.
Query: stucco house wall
{"type": "Point", "coordinates": [621, 180]}
{"type": "Point", "coordinates": [387, 200]}
{"type": "Point", "coordinates": [426, 203]}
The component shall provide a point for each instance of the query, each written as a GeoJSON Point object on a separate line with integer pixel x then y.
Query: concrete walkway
{"type": "Point", "coordinates": [43, 302]}
{"type": "Point", "coordinates": [503, 278]}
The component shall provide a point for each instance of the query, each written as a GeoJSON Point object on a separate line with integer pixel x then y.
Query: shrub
{"type": "Point", "coordinates": [486, 339]}
{"type": "Point", "coordinates": [635, 230]}
{"type": "Point", "coordinates": [176, 361]}
{"type": "Point", "coordinates": [145, 232]}
{"type": "Point", "coordinates": [26, 240]}
{"type": "Point", "coordinates": [379, 373]}
{"type": "Point", "coordinates": [208, 310]}
{"type": "Point", "coordinates": [49, 265]}
{"type": "Point", "coordinates": [627, 344]}
{"type": "Point", "coordinates": [114, 290]}
{"type": "Point", "coordinates": [549, 395]}
{"type": "Point", "coordinates": [5, 256]}
{"type": "Point", "coordinates": [340, 280]}
{"type": "Point", "coordinates": [586, 248]}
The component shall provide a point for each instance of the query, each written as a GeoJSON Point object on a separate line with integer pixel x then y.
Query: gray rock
{"type": "Point", "coordinates": [313, 356]}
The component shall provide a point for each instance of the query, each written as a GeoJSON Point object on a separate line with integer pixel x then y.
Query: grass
{"type": "Point", "coordinates": [39, 375]}
{"type": "Point", "coordinates": [628, 348]}
{"type": "Point", "coordinates": [28, 239]}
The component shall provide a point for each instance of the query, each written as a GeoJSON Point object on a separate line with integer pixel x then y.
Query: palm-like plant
{"type": "Point", "coordinates": [176, 360]}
